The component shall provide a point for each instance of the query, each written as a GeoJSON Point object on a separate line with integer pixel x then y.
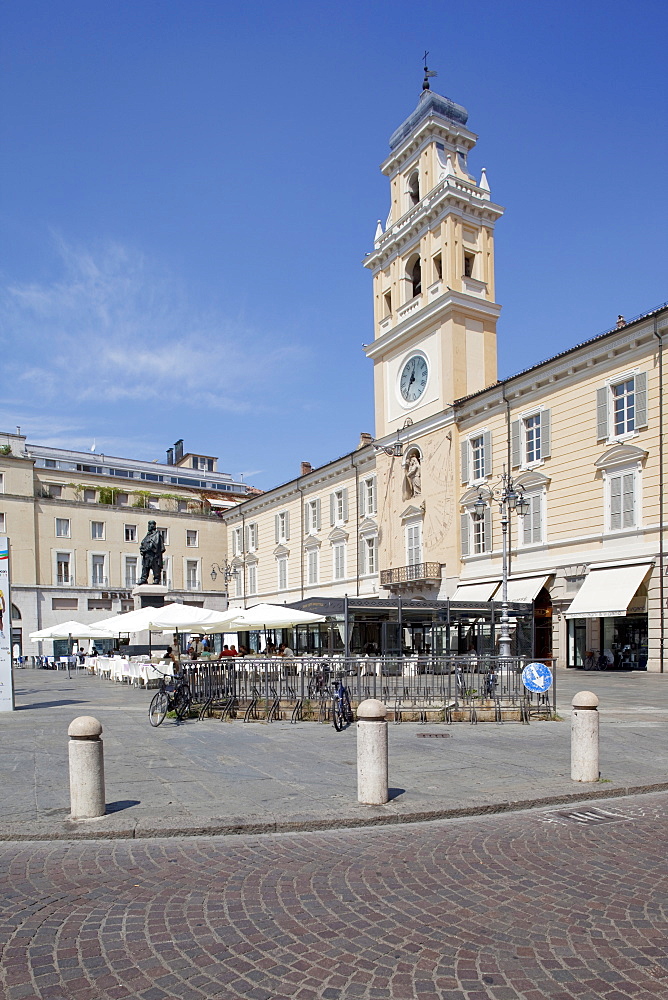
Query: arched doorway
{"type": "Point", "coordinates": [542, 625]}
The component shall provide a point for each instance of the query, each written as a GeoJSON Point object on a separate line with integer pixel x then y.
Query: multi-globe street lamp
{"type": "Point", "coordinates": [509, 498]}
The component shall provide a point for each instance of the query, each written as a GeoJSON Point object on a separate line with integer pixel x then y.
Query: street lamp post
{"type": "Point", "coordinates": [226, 570]}
{"type": "Point", "coordinates": [509, 497]}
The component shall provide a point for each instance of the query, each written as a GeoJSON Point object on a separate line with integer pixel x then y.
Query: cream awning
{"type": "Point", "coordinates": [475, 591]}
{"type": "Point", "coordinates": [523, 590]}
{"type": "Point", "coordinates": [607, 593]}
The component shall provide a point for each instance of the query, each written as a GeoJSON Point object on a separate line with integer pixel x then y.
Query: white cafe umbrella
{"type": "Point", "coordinates": [129, 621]}
{"type": "Point", "coordinates": [184, 618]}
{"type": "Point", "coordinates": [72, 630]}
{"type": "Point", "coordinates": [264, 616]}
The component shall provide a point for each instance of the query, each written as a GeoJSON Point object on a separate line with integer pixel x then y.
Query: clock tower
{"type": "Point", "coordinates": [433, 271]}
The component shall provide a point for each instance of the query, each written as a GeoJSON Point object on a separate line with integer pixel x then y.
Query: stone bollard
{"type": "Point", "coordinates": [86, 768]}
{"type": "Point", "coordinates": [372, 753]}
{"type": "Point", "coordinates": [584, 737]}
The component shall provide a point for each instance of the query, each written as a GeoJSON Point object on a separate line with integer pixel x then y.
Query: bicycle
{"type": "Point", "coordinates": [176, 698]}
{"type": "Point", "coordinates": [595, 661]}
{"type": "Point", "coordinates": [342, 713]}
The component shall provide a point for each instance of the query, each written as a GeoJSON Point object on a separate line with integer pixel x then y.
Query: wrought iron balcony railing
{"type": "Point", "coordinates": [410, 574]}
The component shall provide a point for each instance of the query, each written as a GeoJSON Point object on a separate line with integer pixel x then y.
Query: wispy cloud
{"type": "Point", "coordinates": [115, 326]}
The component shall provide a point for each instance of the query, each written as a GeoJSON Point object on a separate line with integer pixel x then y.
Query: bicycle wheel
{"type": "Point", "coordinates": [158, 708]}
{"type": "Point", "coordinates": [337, 717]}
{"type": "Point", "coordinates": [346, 707]}
{"type": "Point", "coordinates": [181, 701]}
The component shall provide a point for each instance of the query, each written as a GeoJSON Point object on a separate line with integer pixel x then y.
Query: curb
{"type": "Point", "coordinates": [81, 830]}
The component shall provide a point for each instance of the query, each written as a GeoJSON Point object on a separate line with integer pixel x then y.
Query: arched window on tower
{"type": "Point", "coordinates": [416, 277]}
{"type": "Point", "coordinates": [414, 188]}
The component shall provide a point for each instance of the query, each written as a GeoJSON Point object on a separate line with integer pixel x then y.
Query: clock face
{"type": "Point", "coordinates": [413, 379]}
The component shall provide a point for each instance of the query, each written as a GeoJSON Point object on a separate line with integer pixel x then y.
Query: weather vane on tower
{"type": "Point", "coordinates": [427, 72]}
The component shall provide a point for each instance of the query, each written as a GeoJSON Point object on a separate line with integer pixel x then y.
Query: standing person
{"type": "Point", "coordinates": [81, 655]}
{"type": "Point", "coordinates": [195, 648]}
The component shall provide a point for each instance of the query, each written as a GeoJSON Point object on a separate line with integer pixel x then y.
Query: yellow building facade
{"type": "Point", "coordinates": [580, 435]}
{"type": "Point", "coordinates": [75, 521]}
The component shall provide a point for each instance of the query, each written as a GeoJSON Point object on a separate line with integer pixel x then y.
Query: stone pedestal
{"type": "Point", "coordinates": [149, 595]}
{"type": "Point", "coordinates": [372, 762]}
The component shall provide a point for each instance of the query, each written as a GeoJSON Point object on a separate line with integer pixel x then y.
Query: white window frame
{"type": "Point", "coordinates": [605, 407]}
{"type": "Point", "coordinates": [468, 457]}
{"type": "Point", "coordinates": [338, 507]}
{"type": "Point", "coordinates": [520, 435]}
{"type": "Point", "coordinates": [192, 533]}
{"type": "Point", "coordinates": [338, 561]}
{"type": "Point", "coordinates": [610, 478]}
{"type": "Point", "coordinates": [100, 537]}
{"type": "Point", "coordinates": [2, 482]}
{"type": "Point", "coordinates": [104, 556]}
{"type": "Point", "coordinates": [3, 523]}
{"type": "Point", "coordinates": [370, 555]}
{"type": "Point", "coordinates": [237, 541]}
{"type": "Point", "coordinates": [368, 499]}
{"type": "Point", "coordinates": [70, 565]}
{"type": "Point", "coordinates": [133, 532]}
{"type": "Point", "coordinates": [476, 532]}
{"type": "Point", "coordinates": [282, 572]}
{"type": "Point", "coordinates": [164, 532]}
{"type": "Point", "coordinates": [313, 566]}
{"type": "Point", "coordinates": [165, 576]}
{"type": "Point", "coordinates": [282, 526]}
{"type": "Point", "coordinates": [251, 579]}
{"type": "Point", "coordinates": [413, 542]}
{"type": "Point", "coordinates": [239, 583]}
{"type": "Point", "coordinates": [312, 516]}
{"type": "Point", "coordinates": [126, 560]}
{"type": "Point", "coordinates": [252, 536]}
{"type": "Point", "coordinates": [63, 520]}
{"type": "Point", "coordinates": [87, 495]}
{"type": "Point", "coordinates": [188, 565]}
{"type": "Point", "coordinates": [532, 523]}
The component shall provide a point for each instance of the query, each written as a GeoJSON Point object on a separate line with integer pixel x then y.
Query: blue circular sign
{"type": "Point", "coordinates": [537, 677]}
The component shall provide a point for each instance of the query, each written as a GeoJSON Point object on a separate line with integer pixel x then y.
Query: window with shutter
{"type": "Point", "coordinates": [516, 443]}
{"type": "Point", "coordinates": [464, 527]}
{"type": "Point", "coordinates": [465, 461]}
{"type": "Point", "coordinates": [282, 566]}
{"type": "Point", "coordinates": [622, 500]}
{"type": "Point", "coordinates": [413, 544]}
{"type": "Point", "coordinates": [531, 529]}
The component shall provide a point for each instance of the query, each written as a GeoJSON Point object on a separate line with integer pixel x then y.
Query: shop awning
{"type": "Point", "coordinates": [523, 590]}
{"type": "Point", "coordinates": [475, 591]}
{"type": "Point", "coordinates": [607, 593]}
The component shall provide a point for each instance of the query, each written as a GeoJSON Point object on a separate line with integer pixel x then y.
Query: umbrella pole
{"type": "Point", "coordinates": [69, 653]}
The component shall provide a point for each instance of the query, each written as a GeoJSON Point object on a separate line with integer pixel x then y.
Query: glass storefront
{"type": "Point", "coordinates": [622, 640]}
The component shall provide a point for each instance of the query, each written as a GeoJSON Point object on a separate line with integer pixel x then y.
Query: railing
{"type": "Point", "coordinates": [407, 574]}
{"type": "Point", "coordinates": [444, 688]}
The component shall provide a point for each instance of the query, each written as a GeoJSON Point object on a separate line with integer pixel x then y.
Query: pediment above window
{"type": "Point", "coordinates": [411, 512]}
{"type": "Point", "coordinates": [620, 454]}
{"type": "Point", "coordinates": [470, 497]}
{"type": "Point", "coordinates": [338, 535]}
{"type": "Point", "coordinates": [251, 560]}
{"type": "Point", "coordinates": [312, 543]}
{"type": "Point", "coordinates": [237, 562]}
{"type": "Point", "coordinates": [367, 525]}
{"type": "Point", "coordinates": [281, 550]}
{"type": "Point", "coordinates": [532, 479]}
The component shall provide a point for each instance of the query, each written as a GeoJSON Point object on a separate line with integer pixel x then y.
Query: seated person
{"type": "Point", "coordinates": [285, 651]}
{"type": "Point", "coordinates": [226, 651]}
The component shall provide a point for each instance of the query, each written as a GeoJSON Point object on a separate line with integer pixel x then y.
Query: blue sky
{"type": "Point", "coordinates": [188, 190]}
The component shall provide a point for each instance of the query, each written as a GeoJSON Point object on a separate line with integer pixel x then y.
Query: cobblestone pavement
{"type": "Point", "coordinates": [527, 906]}
{"type": "Point", "coordinates": [220, 777]}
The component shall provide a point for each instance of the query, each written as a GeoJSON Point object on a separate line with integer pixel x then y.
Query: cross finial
{"type": "Point", "coordinates": [427, 72]}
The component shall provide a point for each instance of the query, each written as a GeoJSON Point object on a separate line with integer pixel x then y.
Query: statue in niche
{"type": "Point", "coordinates": [412, 476]}
{"type": "Point", "coordinates": [151, 548]}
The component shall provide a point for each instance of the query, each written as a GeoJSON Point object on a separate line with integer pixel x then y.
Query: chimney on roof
{"type": "Point", "coordinates": [365, 439]}
{"type": "Point", "coordinates": [306, 468]}
{"type": "Point", "coordinates": [620, 322]}
{"type": "Point", "coordinates": [178, 451]}
{"type": "Point", "coordinates": [170, 456]}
